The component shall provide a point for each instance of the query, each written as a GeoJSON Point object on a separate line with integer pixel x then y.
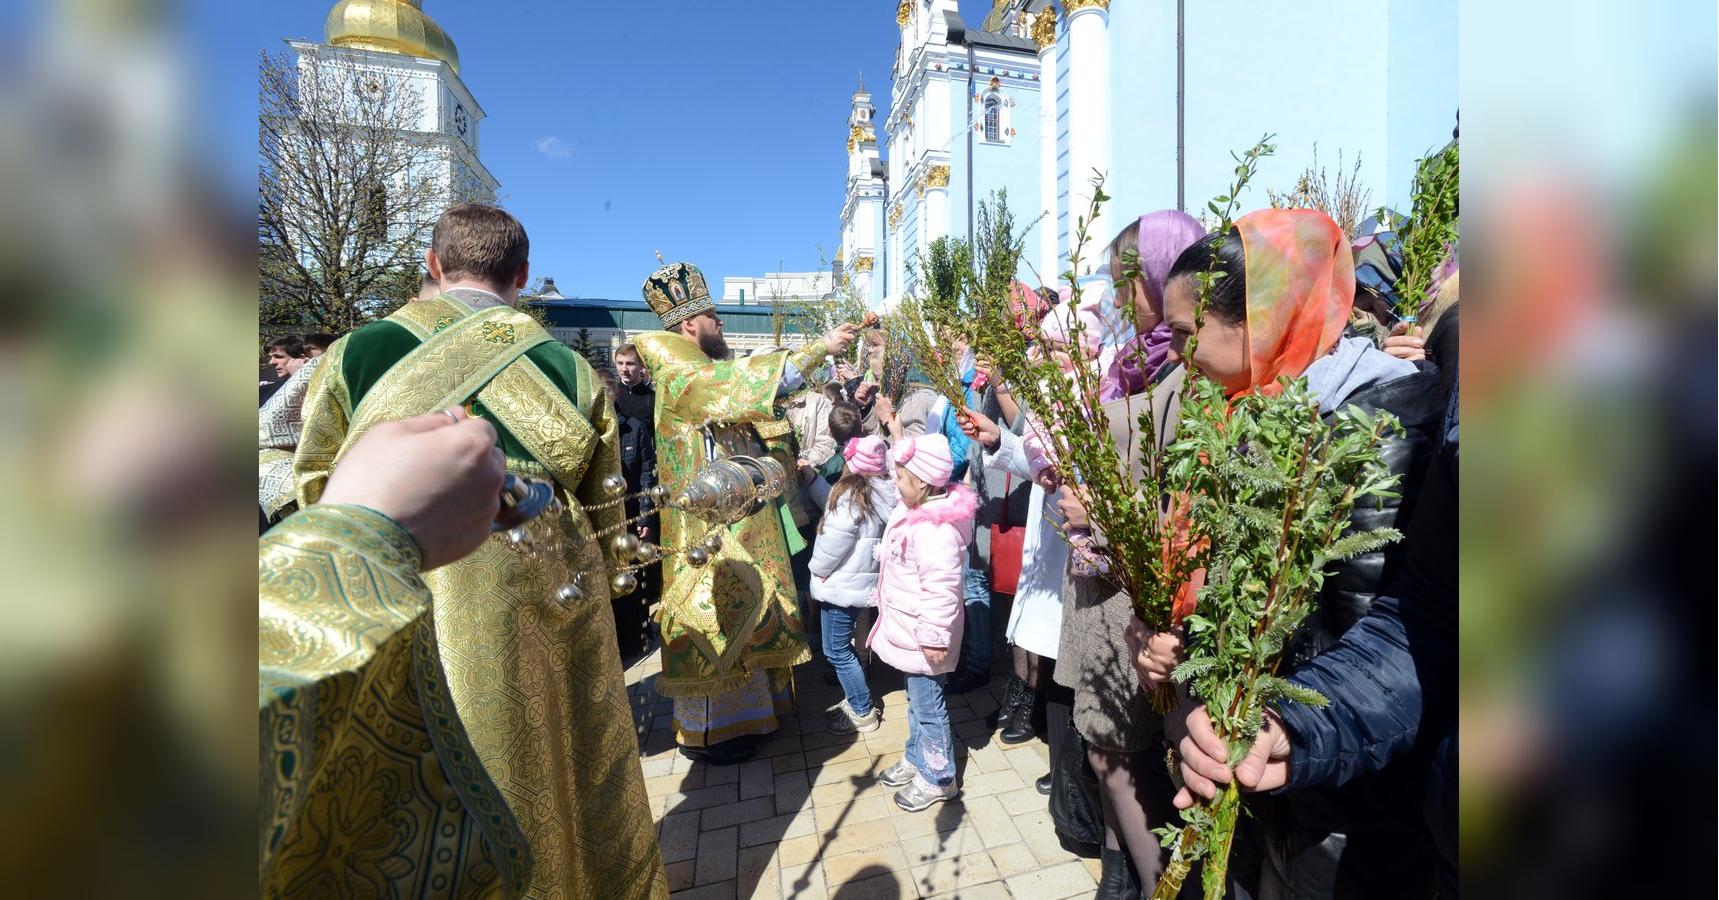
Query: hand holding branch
{"type": "Point", "coordinates": [1204, 756]}
{"type": "Point", "coordinates": [979, 427]}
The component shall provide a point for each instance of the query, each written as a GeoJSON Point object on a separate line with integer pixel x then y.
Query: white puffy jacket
{"type": "Point", "coordinates": [844, 557]}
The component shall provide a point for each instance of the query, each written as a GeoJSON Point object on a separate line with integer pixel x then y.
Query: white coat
{"type": "Point", "coordinates": [1035, 620]}
{"type": "Point", "coordinates": [844, 557]}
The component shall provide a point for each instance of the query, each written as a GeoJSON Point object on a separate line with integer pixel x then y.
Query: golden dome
{"type": "Point", "coordinates": [391, 26]}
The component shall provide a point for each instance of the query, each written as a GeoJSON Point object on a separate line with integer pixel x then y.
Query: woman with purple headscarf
{"type": "Point", "coordinates": [1139, 259]}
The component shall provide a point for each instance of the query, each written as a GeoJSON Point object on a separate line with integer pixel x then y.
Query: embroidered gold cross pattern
{"type": "Point", "coordinates": [445, 321]}
{"type": "Point", "coordinates": [498, 332]}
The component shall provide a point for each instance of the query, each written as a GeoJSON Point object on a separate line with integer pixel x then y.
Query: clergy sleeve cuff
{"type": "Point", "coordinates": [375, 534]}
{"type": "Point", "coordinates": [806, 360]}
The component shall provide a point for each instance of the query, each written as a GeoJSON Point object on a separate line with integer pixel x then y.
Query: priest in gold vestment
{"type": "Point", "coordinates": [731, 628]}
{"type": "Point", "coordinates": [479, 743]}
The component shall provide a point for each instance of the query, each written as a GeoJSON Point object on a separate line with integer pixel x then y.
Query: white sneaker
{"type": "Point", "coordinates": [840, 719]}
{"type": "Point", "coordinates": [918, 795]}
{"type": "Point", "coordinates": [900, 774]}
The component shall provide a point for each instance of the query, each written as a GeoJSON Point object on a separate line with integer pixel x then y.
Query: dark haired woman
{"type": "Point", "coordinates": [1279, 311]}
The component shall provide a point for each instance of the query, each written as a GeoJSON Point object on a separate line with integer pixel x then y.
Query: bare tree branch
{"type": "Point", "coordinates": [349, 188]}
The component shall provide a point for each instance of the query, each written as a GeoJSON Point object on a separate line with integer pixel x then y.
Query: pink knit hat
{"type": "Point", "coordinates": [927, 456]}
{"type": "Point", "coordinates": [864, 455]}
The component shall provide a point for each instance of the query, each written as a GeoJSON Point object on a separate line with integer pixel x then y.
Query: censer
{"type": "Point", "coordinates": [724, 492]}
{"type": "Point", "coordinates": [731, 489]}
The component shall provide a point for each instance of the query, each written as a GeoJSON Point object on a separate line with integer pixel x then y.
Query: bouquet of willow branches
{"type": "Point", "coordinates": [1426, 237]}
{"type": "Point", "coordinates": [927, 348]}
{"type": "Point", "coordinates": [1152, 553]}
{"type": "Point", "coordinates": [961, 287]}
{"type": "Point", "coordinates": [1271, 485]}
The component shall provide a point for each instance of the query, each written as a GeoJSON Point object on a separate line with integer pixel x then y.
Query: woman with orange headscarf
{"type": "Point", "coordinates": [1279, 312]}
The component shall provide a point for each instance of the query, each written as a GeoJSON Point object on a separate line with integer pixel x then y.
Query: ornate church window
{"type": "Point", "coordinates": [993, 117]}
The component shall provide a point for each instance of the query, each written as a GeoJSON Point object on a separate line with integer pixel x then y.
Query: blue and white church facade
{"type": "Point", "coordinates": [964, 104]}
{"type": "Point", "coordinates": [1155, 94]}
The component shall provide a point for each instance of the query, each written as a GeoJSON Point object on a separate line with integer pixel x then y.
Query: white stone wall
{"type": "Point", "coordinates": [795, 287]}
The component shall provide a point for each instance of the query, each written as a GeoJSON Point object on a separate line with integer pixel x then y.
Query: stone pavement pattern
{"type": "Point", "coordinates": [806, 818]}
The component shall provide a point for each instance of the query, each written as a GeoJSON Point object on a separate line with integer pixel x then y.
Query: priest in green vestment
{"type": "Point", "coordinates": [731, 628]}
{"type": "Point", "coordinates": [482, 744]}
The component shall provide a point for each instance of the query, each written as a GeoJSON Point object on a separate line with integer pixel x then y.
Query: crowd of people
{"type": "Point", "coordinates": [909, 520]}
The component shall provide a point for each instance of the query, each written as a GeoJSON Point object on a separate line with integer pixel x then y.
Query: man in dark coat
{"type": "Point", "coordinates": [635, 407]}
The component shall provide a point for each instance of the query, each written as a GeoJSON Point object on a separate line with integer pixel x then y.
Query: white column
{"type": "Point", "coordinates": [937, 213]}
{"type": "Point", "coordinates": [1050, 261]}
{"type": "Point", "coordinates": [937, 200]}
{"type": "Point", "coordinates": [1088, 116]}
{"type": "Point", "coordinates": [897, 263]}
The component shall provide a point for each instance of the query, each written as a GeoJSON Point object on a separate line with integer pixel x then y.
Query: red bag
{"type": "Point", "coordinates": [1006, 544]}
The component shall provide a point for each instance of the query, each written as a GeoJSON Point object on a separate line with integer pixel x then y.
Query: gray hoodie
{"type": "Point", "coordinates": [1350, 366]}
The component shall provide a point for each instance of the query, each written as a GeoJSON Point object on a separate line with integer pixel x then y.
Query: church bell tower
{"type": "Point", "coordinates": [397, 40]}
{"type": "Point", "coordinates": [862, 208]}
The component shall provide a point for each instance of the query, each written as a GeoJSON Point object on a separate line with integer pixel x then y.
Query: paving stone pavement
{"type": "Point", "coordinates": [806, 819]}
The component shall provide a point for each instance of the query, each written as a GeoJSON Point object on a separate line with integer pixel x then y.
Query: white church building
{"type": "Point", "coordinates": [1038, 95]}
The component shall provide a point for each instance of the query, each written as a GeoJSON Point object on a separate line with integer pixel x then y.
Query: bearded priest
{"type": "Point", "coordinates": [730, 617]}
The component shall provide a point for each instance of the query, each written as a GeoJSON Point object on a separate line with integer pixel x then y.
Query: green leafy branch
{"type": "Point", "coordinates": [1426, 237]}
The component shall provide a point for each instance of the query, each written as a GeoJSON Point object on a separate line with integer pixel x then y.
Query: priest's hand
{"type": "Point", "coordinates": [438, 475]}
{"type": "Point", "coordinates": [865, 393]}
{"type": "Point", "coordinates": [841, 338]}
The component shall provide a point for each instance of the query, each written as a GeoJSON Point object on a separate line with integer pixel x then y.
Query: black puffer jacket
{"type": "Point", "coordinates": [1350, 585]}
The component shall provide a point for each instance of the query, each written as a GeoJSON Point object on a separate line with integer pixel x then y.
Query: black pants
{"type": "Point", "coordinates": [633, 615]}
{"type": "Point", "coordinates": [801, 566]}
{"type": "Point", "coordinates": [1074, 803]}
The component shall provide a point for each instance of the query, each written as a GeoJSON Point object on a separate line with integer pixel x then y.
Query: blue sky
{"type": "Point", "coordinates": [714, 132]}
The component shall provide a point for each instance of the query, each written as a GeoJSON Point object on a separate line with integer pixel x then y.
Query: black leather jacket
{"type": "Point", "coordinates": [1350, 585]}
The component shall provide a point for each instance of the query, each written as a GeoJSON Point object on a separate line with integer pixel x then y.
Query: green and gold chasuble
{"type": "Point", "coordinates": [479, 743]}
{"type": "Point", "coordinates": [725, 622]}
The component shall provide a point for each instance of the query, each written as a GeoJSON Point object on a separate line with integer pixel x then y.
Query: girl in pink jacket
{"type": "Point", "coordinates": [919, 611]}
